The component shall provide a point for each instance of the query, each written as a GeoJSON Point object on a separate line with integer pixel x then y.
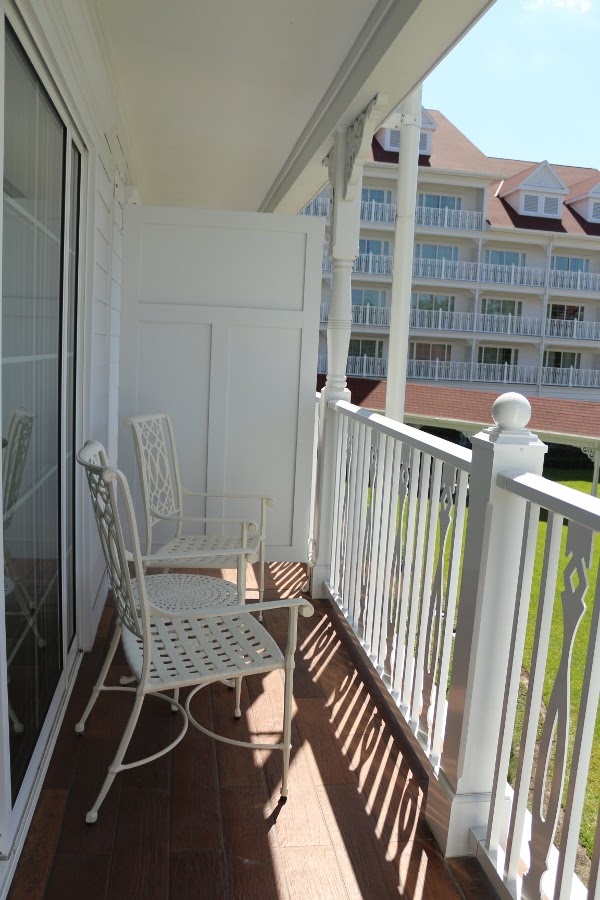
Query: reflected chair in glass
{"type": "Point", "coordinates": [14, 456]}
{"type": "Point", "coordinates": [169, 642]}
{"type": "Point", "coordinates": [163, 497]}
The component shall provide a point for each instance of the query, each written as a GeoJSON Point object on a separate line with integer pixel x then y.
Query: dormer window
{"type": "Point", "coordinates": [425, 143]}
{"type": "Point", "coordinates": [537, 191]}
{"type": "Point", "coordinates": [596, 211]}
{"type": "Point", "coordinates": [541, 205]}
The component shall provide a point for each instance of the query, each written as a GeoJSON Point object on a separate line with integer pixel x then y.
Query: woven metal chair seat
{"type": "Point", "coordinates": [186, 650]}
{"type": "Point", "coordinates": [202, 544]}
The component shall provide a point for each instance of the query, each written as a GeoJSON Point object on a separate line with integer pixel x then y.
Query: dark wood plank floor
{"type": "Point", "coordinates": [206, 821]}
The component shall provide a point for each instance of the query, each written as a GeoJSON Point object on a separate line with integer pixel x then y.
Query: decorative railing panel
{"type": "Point", "coordinates": [465, 321]}
{"type": "Point", "coordinates": [363, 315]}
{"type": "Point", "coordinates": [572, 328]}
{"type": "Point", "coordinates": [574, 281]}
{"type": "Point", "coordinates": [400, 502]}
{"type": "Point", "coordinates": [464, 219]}
{"type": "Point", "coordinates": [371, 211]}
{"type": "Point", "coordinates": [533, 830]}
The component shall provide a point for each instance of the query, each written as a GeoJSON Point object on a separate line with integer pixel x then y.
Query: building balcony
{"type": "Point", "coordinates": [318, 206]}
{"type": "Point", "coordinates": [371, 211]}
{"type": "Point", "coordinates": [385, 213]}
{"type": "Point", "coordinates": [442, 320]}
{"type": "Point", "coordinates": [361, 366]}
{"type": "Point", "coordinates": [378, 316]}
{"type": "Point", "coordinates": [574, 281]}
{"type": "Point", "coordinates": [501, 373]}
{"type": "Point", "coordinates": [461, 219]}
{"type": "Point", "coordinates": [461, 270]}
{"type": "Point", "coordinates": [366, 263]}
{"type": "Point", "coordinates": [573, 329]}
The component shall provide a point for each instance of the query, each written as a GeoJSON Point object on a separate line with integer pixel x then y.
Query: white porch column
{"type": "Point", "coordinates": [345, 164]}
{"type": "Point", "coordinates": [488, 595]}
{"type": "Point", "coordinates": [404, 236]}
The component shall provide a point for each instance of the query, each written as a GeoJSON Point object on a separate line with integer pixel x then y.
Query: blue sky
{"type": "Point", "coordinates": [525, 82]}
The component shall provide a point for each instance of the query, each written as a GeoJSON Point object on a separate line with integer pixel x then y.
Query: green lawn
{"type": "Point", "coordinates": [580, 480]}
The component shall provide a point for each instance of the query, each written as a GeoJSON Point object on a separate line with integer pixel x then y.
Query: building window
{"type": "Point", "coordinates": [559, 359]}
{"type": "Point", "coordinates": [432, 302]}
{"type": "Point", "coordinates": [570, 264]}
{"type": "Point", "coordinates": [375, 247]}
{"type": "Point", "coordinates": [376, 195]}
{"type": "Point", "coordinates": [368, 297]}
{"type": "Point", "coordinates": [595, 210]}
{"type": "Point", "coordinates": [368, 348]}
{"type": "Point", "coordinates": [504, 258]}
{"type": "Point", "coordinates": [429, 352]}
{"type": "Point", "coordinates": [491, 306]}
{"type": "Point", "coordinates": [439, 201]}
{"type": "Point", "coordinates": [435, 251]}
{"type": "Point", "coordinates": [498, 356]}
{"type": "Point", "coordinates": [565, 313]}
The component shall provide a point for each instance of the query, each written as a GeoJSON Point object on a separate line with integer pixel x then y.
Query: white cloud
{"type": "Point", "coordinates": [574, 6]}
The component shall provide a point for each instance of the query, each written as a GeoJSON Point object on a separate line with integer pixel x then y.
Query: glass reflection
{"type": "Point", "coordinates": [34, 155]}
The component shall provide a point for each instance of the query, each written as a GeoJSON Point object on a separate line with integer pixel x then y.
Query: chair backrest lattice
{"type": "Point", "coordinates": [18, 435]}
{"type": "Point", "coordinates": [158, 467]}
{"type": "Point", "coordinates": [105, 484]}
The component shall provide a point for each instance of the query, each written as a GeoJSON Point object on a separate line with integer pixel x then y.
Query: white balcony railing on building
{"type": "Point", "coordinates": [318, 206]}
{"type": "Point", "coordinates": [360, 366]}
{"type": "Point", "coordinates": [439, 596]}
{"type": "Point", "coordinates": [370, 211]}
{"type": "Point", "coordinates": [373, 264]}
{"type": "Point", "coordinates": [460, 270]}
{"type": "Point", "coordinates": [583, 331]}
{"type": "Point", "coordinates": [482, 322]}
{"type": "Point", "coordinates": [464, 219]}
{"type": "Point", "coordinates": [363, 315]}
{"type": "Point", "coordinates": [570, 377]}
{"type": "Point", "coordinates": [491, 373]}
{"type": "Point", "coordinates": [574, 281]}
{"type": "Point", "coordinates": [437, 370]}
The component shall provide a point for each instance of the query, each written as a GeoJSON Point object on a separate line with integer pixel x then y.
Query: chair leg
{"type": "Point", "coordinates": [261, 574]}
{"type": "Point", "coordinates": [287, 726]}
{"type": "Point", "coordinates": [79, 728]}
{"type": "Point", "coordinates": [174, 707]}
{"type": "Point", "coordinates": [115, 767]}
{"type": "Point", "coordinates": [238, 694]}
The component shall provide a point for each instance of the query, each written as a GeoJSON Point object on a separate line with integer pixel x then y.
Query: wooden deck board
{"type": "Point", "coordinates": [207, 821]}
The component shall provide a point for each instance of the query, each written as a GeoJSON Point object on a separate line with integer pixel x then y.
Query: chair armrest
{"type": "Point", "coordinates": [223, 612]}
{"type": "Point", "coordinates": [200, 554]}
{"type": "Point", "coordinates": [173, 518]}
{"type": "Point", "coordinates": [268, 500]}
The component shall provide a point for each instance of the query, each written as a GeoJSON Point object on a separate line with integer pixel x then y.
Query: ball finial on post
{"type": "Point", "coordinates": [511, 412]}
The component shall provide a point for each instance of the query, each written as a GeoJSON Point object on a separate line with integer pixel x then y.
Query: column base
{"type": "Point", "coordinates": [451, 816]}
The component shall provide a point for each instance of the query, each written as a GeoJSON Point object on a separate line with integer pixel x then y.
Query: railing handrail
{"type": "Point", "coordinates": [557, 498]}
{"type": "Point", "coordinates": [429, 443]}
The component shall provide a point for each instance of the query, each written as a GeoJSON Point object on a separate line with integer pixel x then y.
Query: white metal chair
{"type": "Point", "coordinates": [169, 642]}
{"type": "Point", "coordinates": [163, 497]}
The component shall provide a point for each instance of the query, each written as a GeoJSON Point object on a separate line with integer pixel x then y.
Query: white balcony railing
{"type": "Point", "coordinates": [370, 211]}
{"type": "Point", "coordinates": [463, 219]}
{"type": "Point", "coordinates": [583, 331]}
{"type": "Point", "coordinates": [486, 273]}
{"type": "Point", "coordinates": [373, 264]}
{"type": "Point", "coordinates": [574, 281]}
{"type": "Point", "coordinates": [481, 322]}
{"type": "Point", "coordinates": [363, 315]}
{"type": "Point", "coordinates": [318, 206]}
{"type": "Point", "coordinates": [460, 270]}
{"type": "Point", "coordinates": [436, 370]}
{"type": "Point", "coordinates": [361, 366]}
{"type": "Point", "coordinates": [439, 596]}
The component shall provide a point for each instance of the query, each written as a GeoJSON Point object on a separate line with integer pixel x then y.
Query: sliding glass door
{"type": "Point", "coordinates": [42, 176]}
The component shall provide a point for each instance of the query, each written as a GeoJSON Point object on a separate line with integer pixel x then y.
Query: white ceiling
{"type": "Point", "coordinates": [233, 104]}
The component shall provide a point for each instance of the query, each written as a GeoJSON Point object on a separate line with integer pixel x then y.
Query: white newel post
{"type": "Point", "coordinates": [345, 164]}
{"type": "Point", "coordinates": [461, 796]}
